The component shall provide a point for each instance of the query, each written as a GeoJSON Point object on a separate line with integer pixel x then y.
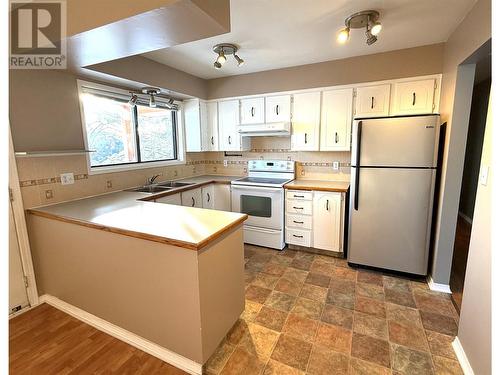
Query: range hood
{"type": "Point", "coordinates": [280, 129]}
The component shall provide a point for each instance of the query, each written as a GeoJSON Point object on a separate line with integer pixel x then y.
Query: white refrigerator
{"type": "Point", "coordinates": [393, 170]}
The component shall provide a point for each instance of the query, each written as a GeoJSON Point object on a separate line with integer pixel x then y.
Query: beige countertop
{"type": "Point", "coordinates": [321, 185]}
{"type": "Point", "coordinates": [126, 213]}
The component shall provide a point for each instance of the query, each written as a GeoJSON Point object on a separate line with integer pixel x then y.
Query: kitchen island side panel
{"type": "Point", "coordinates": [145, 287]}
{"type": "Point", "coordinates": [222, 288]}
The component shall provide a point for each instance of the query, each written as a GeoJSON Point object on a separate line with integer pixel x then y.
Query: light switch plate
{"type": "Point", "coordinates": [335, 165]}
{"type": "Point", "coordinates": [225, 163]}
{"type": "Point", "coordinates": [483, 175]}
{"type": "Point", "coordinates": [67, 178]}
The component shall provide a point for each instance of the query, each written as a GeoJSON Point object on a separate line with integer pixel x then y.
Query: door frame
{"type": "Point", "coordinates": [16, 200]}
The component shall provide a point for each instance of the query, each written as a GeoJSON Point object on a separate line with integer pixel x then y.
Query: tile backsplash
{"type": "Point", "coordinates": [41, 184]}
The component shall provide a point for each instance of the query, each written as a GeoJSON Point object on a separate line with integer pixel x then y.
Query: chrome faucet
{"type": "Point", "coordinates": [152, 179]}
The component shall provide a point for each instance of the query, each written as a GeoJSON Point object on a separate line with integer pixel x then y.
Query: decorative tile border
{"type": "Point", "coordinates": [50, 180]}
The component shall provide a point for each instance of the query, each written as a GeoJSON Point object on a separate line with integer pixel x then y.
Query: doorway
{"type": "Point", "coordinates": [470, 176]}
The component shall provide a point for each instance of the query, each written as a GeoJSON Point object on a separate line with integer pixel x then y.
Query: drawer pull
{"type": "Point", "coordinates": [298, 196]}
{"type": "Point", "coordinates": [298, 222]}
{"type": "Point", "coordinates": [297, 236]}
{"type": "Point", "coordinates": [298, 208]}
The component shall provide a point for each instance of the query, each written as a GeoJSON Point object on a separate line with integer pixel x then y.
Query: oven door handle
{"type": "Point", "coordinates": [257, 188]}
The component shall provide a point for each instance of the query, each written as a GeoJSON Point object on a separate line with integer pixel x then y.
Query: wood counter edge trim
{"type": "Point", "coordinates": [183, 188]}
{"type": "Point", "coordinates": [316, 188]}
{"type": "Point", "coordinates": [144, 236]}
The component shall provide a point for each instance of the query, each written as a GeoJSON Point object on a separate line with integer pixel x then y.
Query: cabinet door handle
{"type": "Point", "coordinates": [328, 205]}
{"type": "Point", "coordinates": [277, 109]}
{"type": "Point", "coordinates": [208, 197]}
{"type": "Point", "coordinates": [298, 208]}
{"type": "Point", "coordinates": [373, 99]}
{"type": "Point", "coordinates": [336, 137]}
{"type": "Point", "coordinates": [297, 236]}
{"type": "Point", "coordinates": [298, 196]}
{"type": "Point", "coordinates": [229, 139]}
{"type": "Point", "coordinates": [298, 222]}
{"type": "Point", "coordinates": [414, 98]}
{"type": "Point", "coordinates": [252, 111]}
{"type": "Point", "coordinates": [305, 137]}
{"type": "Point", "coordinates": [192, 199]}
{"type": "Point", "coordinates": [212, 140]}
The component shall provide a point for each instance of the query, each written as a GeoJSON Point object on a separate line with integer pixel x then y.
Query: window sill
{"type": "Point", "coordinates": [131, 167]}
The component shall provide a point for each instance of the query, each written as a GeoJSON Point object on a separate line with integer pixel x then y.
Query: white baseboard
{"type": "Point", "coordinates": [462, 357]}
{"type": "Point", "coordinates": [443, 288]}
{"type": "Point", "coordinates": [130, 338]}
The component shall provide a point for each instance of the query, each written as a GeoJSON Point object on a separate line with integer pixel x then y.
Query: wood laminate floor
{"type": "Point", "coordinates": [45, 340]}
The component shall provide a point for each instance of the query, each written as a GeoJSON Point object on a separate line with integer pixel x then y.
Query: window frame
{"type": "Point", "coordinates": [121, 94]}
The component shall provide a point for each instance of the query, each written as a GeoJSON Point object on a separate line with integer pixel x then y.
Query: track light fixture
{"type": "Point", "coordinates": [366, 19]}
{"type": "Point", "coordinates": [148, 95]}
{"type": "Point", "coordinates": [224, 49]}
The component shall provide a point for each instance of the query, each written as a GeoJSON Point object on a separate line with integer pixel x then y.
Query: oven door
{"type": "Point", "coordinates": [263, 205]}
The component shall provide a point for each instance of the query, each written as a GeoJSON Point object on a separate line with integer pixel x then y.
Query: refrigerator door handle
{"type": "Point", "coordinates": [358, 159]}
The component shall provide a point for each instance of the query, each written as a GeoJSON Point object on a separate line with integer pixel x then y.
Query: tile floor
{"type": "Point", "coordinates": [313, 314]}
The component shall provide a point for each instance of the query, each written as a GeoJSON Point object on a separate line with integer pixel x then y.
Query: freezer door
{"type": "Point", "coordinates": [391, 227]}
{"type": "Point", "coordinates": [396, 142]}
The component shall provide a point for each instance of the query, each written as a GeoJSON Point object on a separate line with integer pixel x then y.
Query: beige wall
{"type": "Point", "coordinates": [381, 66]}
{"type": "Point", "coordinates": [471, 34]}
{"type": "Point", "coordinates": [474, 330]}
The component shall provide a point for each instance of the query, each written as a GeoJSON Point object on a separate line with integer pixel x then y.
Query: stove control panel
{"type": "Point", "coordinates": [271, 166]}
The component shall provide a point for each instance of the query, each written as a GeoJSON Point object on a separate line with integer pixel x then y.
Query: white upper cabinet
{"type": "Point", "coordinates": [373, 101]}
{"type": "Point", "coordinates": [413, 97]}
{"type": "Point", "coordinates": [327, 221]}
{"type": "Point", "coordinates": [211, 134]}
{"type": "Point", "coordinates": [278, 108]}
{"type": "Point", "coordinates": [252, 111]}
{"type": "Point", "coordinates": [229, 117]}
{"type": "Point", "coordinates": [305, 121]}
{"type": "Point", "coordinates": [336, 119]}
{"type": "Point", "coordinates": [195, 120]}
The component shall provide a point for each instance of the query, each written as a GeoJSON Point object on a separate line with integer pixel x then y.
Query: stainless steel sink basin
{"type": "Point", "coordinates": [174, 184]}
{"type": "Point", "coordinates": [151, 189]}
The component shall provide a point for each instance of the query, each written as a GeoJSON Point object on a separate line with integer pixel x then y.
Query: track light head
{"type": "Point", "coordinates": [239, 60]}
{"type": "Point", "coordinates": [370, 38]}
{"type": "Point", "coordinates": [133, 99]}
{"type": "Point", "coordinates": [217, 65]}
{"type": "Point", "coordinates": [221, 59]}
{"type": "Point", "coordinates": [376, 28]}
{"type": "Point", "coordinates": [343, 35]}
{"type": "Point", "coordinates": [152, 101]}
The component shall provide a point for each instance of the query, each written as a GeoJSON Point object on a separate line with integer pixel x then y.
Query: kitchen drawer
{"type": "Point", "coordinates": [298, 207]}
{"type": "Point", "coordinates": [298, 237]}
{"type": "Point", "coordinates": [299, 195]}
{"type": "Point", "coordinates": [299, 221]}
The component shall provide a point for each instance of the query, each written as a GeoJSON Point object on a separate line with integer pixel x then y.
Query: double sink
{"type": "Point", "coordinates": [162, 186]}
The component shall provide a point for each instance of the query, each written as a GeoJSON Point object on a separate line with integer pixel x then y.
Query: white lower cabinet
{"type": "Point", "coordinates": [192, 198]}
{"type": "Point", "coordinates": [315, 219]}
{"type": "Point", "coordinates": [170, 199]}
{"type": "Point", "coordinates": [222, 194]}
{"type": "Point", "coordinates": [327, 221]}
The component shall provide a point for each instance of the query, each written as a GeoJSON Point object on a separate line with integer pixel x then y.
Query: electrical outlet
{"type": "Point", "coordinates": [335, 165]}
{"type": "Point", "coordinates": [109, 184]}
{"type": "Point", "coordinates": [175, 173]}
{"type": "Point", "coordinates": [225, 163]}
{"type": "Point", "coordinates": [67, 178]}
{"type": "Point", "coordinates": [49, 194]}
{"type": "Point", "coordinates": [483, 175]}
{"type": "Point", "coordinates": [302, 172]}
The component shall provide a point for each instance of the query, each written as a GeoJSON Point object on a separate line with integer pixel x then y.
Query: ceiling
{"type": "Point", "coordinates": [281, 33]}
